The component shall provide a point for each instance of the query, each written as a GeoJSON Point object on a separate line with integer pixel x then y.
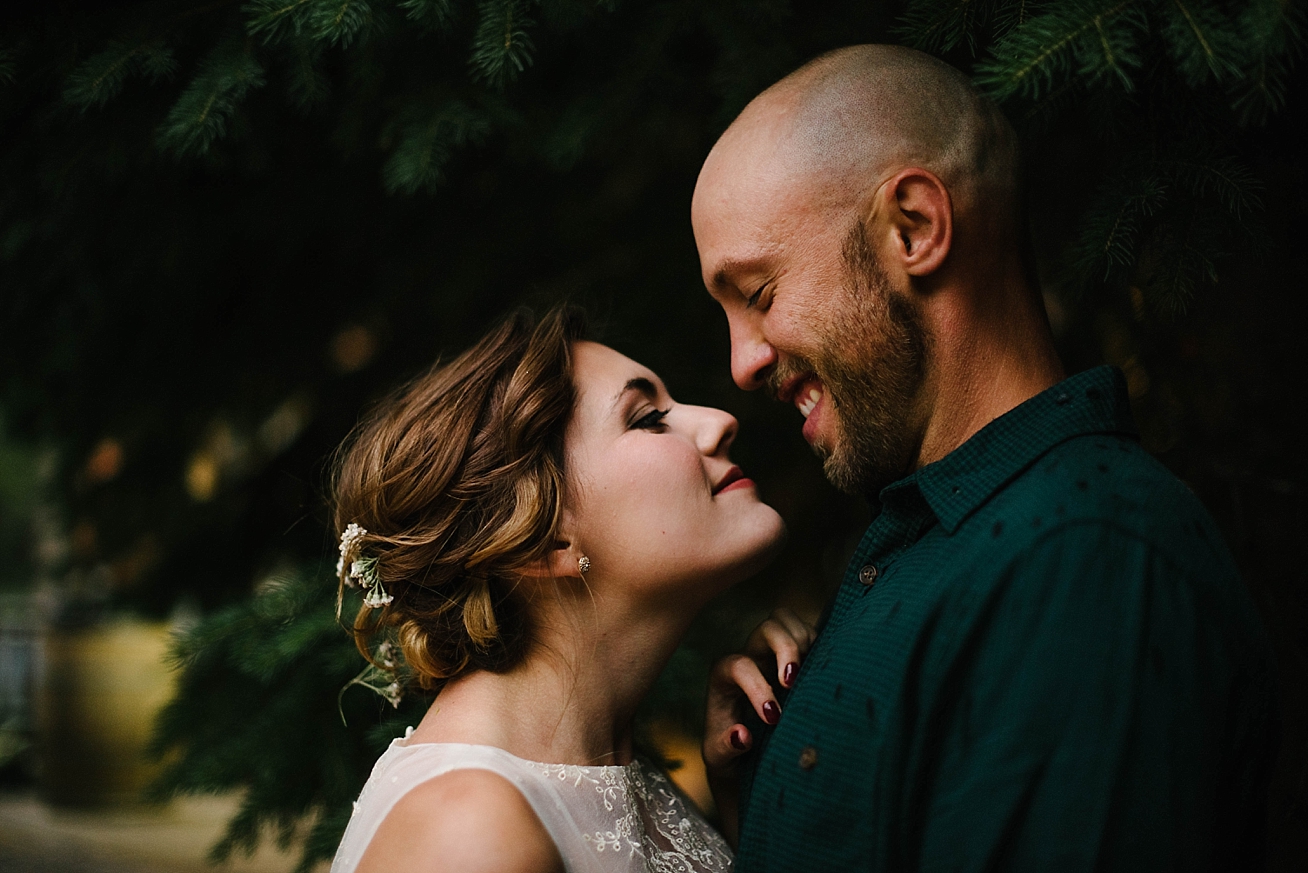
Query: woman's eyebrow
{"type": "Point", "coordinates": [640, 384]}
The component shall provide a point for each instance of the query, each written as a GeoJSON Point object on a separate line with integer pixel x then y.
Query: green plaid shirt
{"type": "Point", "coordinates": [1041, 658]}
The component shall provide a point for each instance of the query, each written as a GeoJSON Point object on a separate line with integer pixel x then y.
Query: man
{"type": "Point", "coordinates": [1041, 656]}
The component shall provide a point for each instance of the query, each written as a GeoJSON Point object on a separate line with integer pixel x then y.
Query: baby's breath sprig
{"type": "Point", "coordinates": [380, 677]}
{"type": "Point", "coordinates": [363, 570]}
{"type": "Point", "coordinates": [350, 539]}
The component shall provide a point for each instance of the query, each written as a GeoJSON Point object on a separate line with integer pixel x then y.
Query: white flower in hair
{"type": "Point", "coordinates": [376, 597]}
{"type": "Point", "coordinates": [350, 539]}
{"type": "Point", "coordinates": [393, 693]}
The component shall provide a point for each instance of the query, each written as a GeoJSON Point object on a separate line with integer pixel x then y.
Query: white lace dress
{"type": "Point", "coordinates": [602, 819]}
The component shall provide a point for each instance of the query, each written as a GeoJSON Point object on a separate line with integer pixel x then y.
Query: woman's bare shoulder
{"type": "Point", "coordinates": [467, 821]}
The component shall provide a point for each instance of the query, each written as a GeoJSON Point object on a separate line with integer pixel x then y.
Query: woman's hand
{"type": "Point", "coordinates": [738, 684]}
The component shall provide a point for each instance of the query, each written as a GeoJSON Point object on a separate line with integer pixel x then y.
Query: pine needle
{"type": "Point", "coordinates": [427, 141]}
{"type": "Point", "coordinates": [341, 22]}
{"type": "Point", "coordinates": [8, 67]}
{"type": "Point", "coordinates": [433, 14]}
{"type": "Point", "coordinates": [275, 20]}
{"type": "Point", "coordinates": [502, 47]}
{"type": "Point", "coordinates": [1089, 40]}
{"type": "Point", "coordinates": [101, 77]}
{"type": "Point", "coordinates": [201, 114]}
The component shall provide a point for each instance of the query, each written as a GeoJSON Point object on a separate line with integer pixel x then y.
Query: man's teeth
{"type": "Point", "coordinates": [808, 403]}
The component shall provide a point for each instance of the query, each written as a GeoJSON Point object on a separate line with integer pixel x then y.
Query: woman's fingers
{"type": "Point", "coordinates": [736, 680]}
{"type": "Point", "coordinates": [800, 631]}
{"type": "Point", "coordinates": [784, 636]}
{"type": "Point", "coordinates": [731, 677]}
{"type": "Point", "coordinates": [721, 750]}
{"type": "Point", "coordinates": [746, 675]}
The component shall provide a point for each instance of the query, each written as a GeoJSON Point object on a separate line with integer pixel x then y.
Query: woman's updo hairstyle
{"type": "Point", "coordinates": [458, 481]}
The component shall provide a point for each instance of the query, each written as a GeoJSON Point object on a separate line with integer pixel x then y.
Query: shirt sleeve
{"type": "Point", "coordinates": [1103, 708]}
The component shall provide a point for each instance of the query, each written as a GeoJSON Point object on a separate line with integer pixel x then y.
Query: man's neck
{"type": "Point", "coordinates": [980, 370]}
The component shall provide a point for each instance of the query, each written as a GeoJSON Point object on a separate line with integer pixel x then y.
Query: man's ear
{"type": "Point", "coordinates": [920, 214]}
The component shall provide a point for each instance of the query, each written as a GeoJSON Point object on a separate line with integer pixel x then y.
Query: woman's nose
{"type": "Point", "coordinates": [716, 431]}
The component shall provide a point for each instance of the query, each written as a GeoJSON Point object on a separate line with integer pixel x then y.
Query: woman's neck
{"type": "Point", "coordinates": [572, 699]}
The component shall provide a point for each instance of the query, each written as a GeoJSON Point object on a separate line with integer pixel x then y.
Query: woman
{"type": "Point", "coordinates": [534, 526]}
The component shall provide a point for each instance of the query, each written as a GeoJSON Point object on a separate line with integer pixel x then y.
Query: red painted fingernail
{"type": "Point", "coordinates": [737, 742]}
{"type": "Point", "coordinates": [771, 712]}
{"type": "Point", "coordinates": [788, 674]}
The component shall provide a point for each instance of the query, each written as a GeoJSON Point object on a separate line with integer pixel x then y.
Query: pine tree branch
{"type": "Point", "coordinates": [936, 29]}
{"type": "Point", "coordinates": [427, 142]}
{"type": "Point", "coordinates": [274, 19]}
{"type": "Point", "coordinates": [1202, 40]}
{"type": "Point", "coordinates": [341, 22]}
{"type": "Point", "coordinates": [502, 46]}
{"type": "Point", "coordinates": [1198, 34]}
{"type": "Point", "coordinates": [435, 14]}
{"type": "Point", "coordinates": [101, 77]}
{"type": "Point", "coordinates": [1273, 31]}
{"type": "Point", "coordinates": [1226, 178]}
{"type": "Point", "coordinates": [200, 115]}
{"type": "Point", "coordinates": [306, 85]}
{"type": "Point", "coordinates": [1032, 57]}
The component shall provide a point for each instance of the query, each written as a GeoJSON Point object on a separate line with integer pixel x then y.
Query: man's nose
{"type": "Point", "coordinates": [752, 356]}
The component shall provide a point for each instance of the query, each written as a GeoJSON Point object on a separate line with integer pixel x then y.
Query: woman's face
{"type": "Point", "coordinates": [655, 500]}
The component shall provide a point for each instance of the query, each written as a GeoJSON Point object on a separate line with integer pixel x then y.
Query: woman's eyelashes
{"type": "Point", "coordinates": [652, 420]}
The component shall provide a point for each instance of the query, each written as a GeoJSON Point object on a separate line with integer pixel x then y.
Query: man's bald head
{"type": "Point", "coordinates": [850, 118]}
{"type": "Point", "coordinates": [858, 225]}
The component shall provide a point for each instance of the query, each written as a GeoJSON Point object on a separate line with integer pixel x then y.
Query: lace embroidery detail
{"type": "Point", "coordinates": [653, 825]}
{"type": "Point", "coordinates": [602, 819]}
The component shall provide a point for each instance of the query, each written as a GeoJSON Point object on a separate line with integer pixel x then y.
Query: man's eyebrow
{"type": "Point", "coordinates": [725, 277]}
{"type": "Point", "coordinates": [640, 384]}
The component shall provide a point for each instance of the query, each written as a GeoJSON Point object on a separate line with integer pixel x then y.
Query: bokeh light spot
{"type": "Point", "coordinates": [353, 348]}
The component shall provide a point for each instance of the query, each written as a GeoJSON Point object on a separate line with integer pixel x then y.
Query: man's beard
{"type": "Point", "coordinates": [872, 362]}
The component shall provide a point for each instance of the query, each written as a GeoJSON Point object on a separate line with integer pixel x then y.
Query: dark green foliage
{"type": "Point", "coordinates": [1170, 82]}
{"type": "Point", "coordinates": [426, 139]}
{"type": "Point", "coordinates": [260, 684]}
{"type": "Point", "coordinates": [433, 14]}
{"type": "Point", "coordinates": [8, 69]}
{"type": "Point", "coordinates": [1095, 42]}
{"type": "Point", "coordinates": [503, 46]}
{"type": "Point", "coordinates": [99, 79]}
{"type": "Point", "coordinates": [342, 22]}
{"type": "Point", "coordinates": [203, 112]}
{"type": "Point", "coordinates": [307, 85]}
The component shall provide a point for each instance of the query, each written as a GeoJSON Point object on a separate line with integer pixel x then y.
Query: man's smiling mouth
{"type": "Point", "coordinates": [806, 392]}
{"type": "Point", "coordinates": [808, 401]}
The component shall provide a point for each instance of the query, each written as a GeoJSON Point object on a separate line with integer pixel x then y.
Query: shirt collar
{"type": "Point", "coordinates": [1093, 402]}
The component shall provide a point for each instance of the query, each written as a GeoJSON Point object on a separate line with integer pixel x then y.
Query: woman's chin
{"type": "Point", "coordinates": [768, 546]}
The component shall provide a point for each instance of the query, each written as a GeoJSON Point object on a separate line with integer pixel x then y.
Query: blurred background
{"type": "Point", "coordinates": [227, 227]}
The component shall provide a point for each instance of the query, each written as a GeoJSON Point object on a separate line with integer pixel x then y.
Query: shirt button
{"type": "Point", "coordinates": [807, 758]}
{"type": "Point", "coordinates": [868, 574]}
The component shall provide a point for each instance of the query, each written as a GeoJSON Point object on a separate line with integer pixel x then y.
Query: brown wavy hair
{"type": "Point", "coordinates": [458, 480]}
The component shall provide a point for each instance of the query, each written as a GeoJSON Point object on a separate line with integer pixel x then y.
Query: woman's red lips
{"type": "Point", "coordinates": [735, 478]}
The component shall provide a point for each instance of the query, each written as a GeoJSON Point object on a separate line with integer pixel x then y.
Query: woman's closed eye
{"type": "Point", "coordinates": [652, 420]}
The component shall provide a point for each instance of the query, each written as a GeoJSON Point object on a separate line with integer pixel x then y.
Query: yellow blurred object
{"type": "Point", "coordinates": [98, 691]}
{"type": "Point", "coordinates": [676, 745]}
{"type": "Point", "coordinates": [202, 476]}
